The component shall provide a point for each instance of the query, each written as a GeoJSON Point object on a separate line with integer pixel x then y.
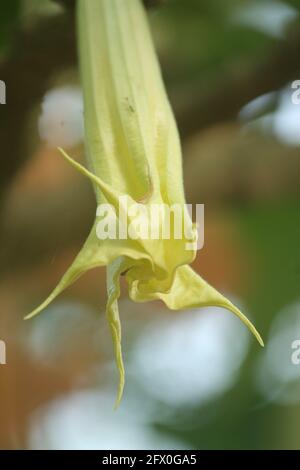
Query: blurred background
{"type": "Point", "coordinates": [197, 379]}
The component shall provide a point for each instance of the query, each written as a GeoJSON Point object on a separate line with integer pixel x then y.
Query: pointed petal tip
{"type": "Point", "coordinates": [247, 322]}
{"type": "Point", "coordinates": [29, 316]}
{"type": "Point", "coordinates": [252, 329]}
{"type": "Point", "coordinates": [120, 392]}
{"type": "Point", "coordinates": [111, 194]}
{"type": "Point", "coordinates": [117, 403]}
{"type": "Point", "coordinates": [34, 313]}
{"type": "Point", "coordinates": [260, 340]}
{"type": "Point", "coordinates": [257, 335]}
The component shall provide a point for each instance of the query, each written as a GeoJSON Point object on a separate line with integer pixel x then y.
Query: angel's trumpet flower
{"type": "Point", "coordinates": [133, 152]}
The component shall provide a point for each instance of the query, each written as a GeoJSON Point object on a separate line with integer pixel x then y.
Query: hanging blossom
{"type": "Point", "coordinates": [133, 152]}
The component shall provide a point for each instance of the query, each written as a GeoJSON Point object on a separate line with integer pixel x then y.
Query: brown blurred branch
{"type": "Point", "coordinates": [36, 55]}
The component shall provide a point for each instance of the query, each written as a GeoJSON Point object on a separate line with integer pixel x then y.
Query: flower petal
{"type": "Point", "coordinates": [114, 271]}
{"type": "Point", "coordinates": [189, 290]}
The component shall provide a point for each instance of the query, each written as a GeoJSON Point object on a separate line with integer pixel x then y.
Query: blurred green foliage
{"type": "Point", "coordinates": [203, 38]}
{"type": "Point", "coordinates": [10, 13]}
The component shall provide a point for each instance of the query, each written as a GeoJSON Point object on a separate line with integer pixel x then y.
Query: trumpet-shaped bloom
{"type": "Point", "coordinates": [133, 151]}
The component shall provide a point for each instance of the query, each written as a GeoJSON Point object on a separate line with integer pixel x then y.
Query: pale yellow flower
{"type": "Point", "coordinates": [133, 150]}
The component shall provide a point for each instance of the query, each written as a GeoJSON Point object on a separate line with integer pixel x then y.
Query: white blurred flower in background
{"type": "Point", "coordinates": [277, 377]}
{"type": "Point", "coordinates": [269, 16]}
{"type": "Point", "coordinates": [85, 420]}
{"type": "Point", "coordinates": [61, 119]}
{"type": "Point", "coordinates": [191, 359]}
